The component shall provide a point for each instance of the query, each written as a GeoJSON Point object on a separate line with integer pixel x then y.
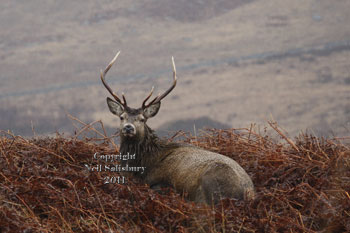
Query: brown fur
{"type": "Point", "coordinates": [206, 176]}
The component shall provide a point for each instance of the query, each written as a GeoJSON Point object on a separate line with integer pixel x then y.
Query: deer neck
{"type": "Point", "coordinates": [149, 144]}
{"type": "Point", "coordinates": [148, 152]}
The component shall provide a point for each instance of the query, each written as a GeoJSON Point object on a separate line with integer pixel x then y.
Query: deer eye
{"type": "Point", "coordinates": [142, 119]}
{"type": "Point", "coordinates": [122, 118]}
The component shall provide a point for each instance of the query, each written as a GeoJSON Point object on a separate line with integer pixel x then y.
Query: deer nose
{"type": "Point", "coordinates": [129, 128]}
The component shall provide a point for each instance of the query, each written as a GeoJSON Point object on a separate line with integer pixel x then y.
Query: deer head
{"type": "Point", "coordinates": [133, 120]}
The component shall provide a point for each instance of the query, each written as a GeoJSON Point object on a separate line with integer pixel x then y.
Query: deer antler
{"type": "Point", "coordinates": [160, 97]}
{"type": "Point", "coordinates": [103, 74]}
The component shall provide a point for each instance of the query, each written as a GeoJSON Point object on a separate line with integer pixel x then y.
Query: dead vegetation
{"type": "Point", "coordinates": [302, 185]}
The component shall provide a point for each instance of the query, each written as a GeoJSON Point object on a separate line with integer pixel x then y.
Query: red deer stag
{"type": "Point", "coordinates": [206, 176]}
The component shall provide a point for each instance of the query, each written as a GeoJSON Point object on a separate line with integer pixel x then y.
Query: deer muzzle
{"type": "Point", "coordinates": [129, 130]}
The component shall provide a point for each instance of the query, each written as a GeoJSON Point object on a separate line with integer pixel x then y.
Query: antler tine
{"type": "Point", "coordinates": [153, 101]}
{"type": "Point", "coordinates": [160, 97]}
{"type": "Point", "coordinates": [147, 98]}
{"type": "Point", "coordinates": [103, 74]}
{"type": "Point", "coordinates": [124, 98]}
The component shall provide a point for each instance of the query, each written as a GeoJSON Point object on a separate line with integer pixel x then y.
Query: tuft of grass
{"type": "Point", "coordinates": [302, 185]}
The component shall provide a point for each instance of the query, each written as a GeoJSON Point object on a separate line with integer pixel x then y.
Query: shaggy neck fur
{"type": "Point", "coordinates": [149, 150]}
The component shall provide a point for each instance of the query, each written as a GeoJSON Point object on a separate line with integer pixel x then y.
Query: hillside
{"type": "Point", "coordinates": [238, 62]}
{"type": "Point", "coordinates": [302, 185]}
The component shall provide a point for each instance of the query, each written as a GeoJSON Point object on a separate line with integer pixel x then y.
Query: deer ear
{"type": "Point", "coordinates": [115, 107]}
{"type": "Point", "coordinates": [152, 110]}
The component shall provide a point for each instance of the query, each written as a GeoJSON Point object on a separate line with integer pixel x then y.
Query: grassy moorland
{"type": "Point", "coordinates": [302, 185]}
{"type": "Point", "coordinates": [238, 61]}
